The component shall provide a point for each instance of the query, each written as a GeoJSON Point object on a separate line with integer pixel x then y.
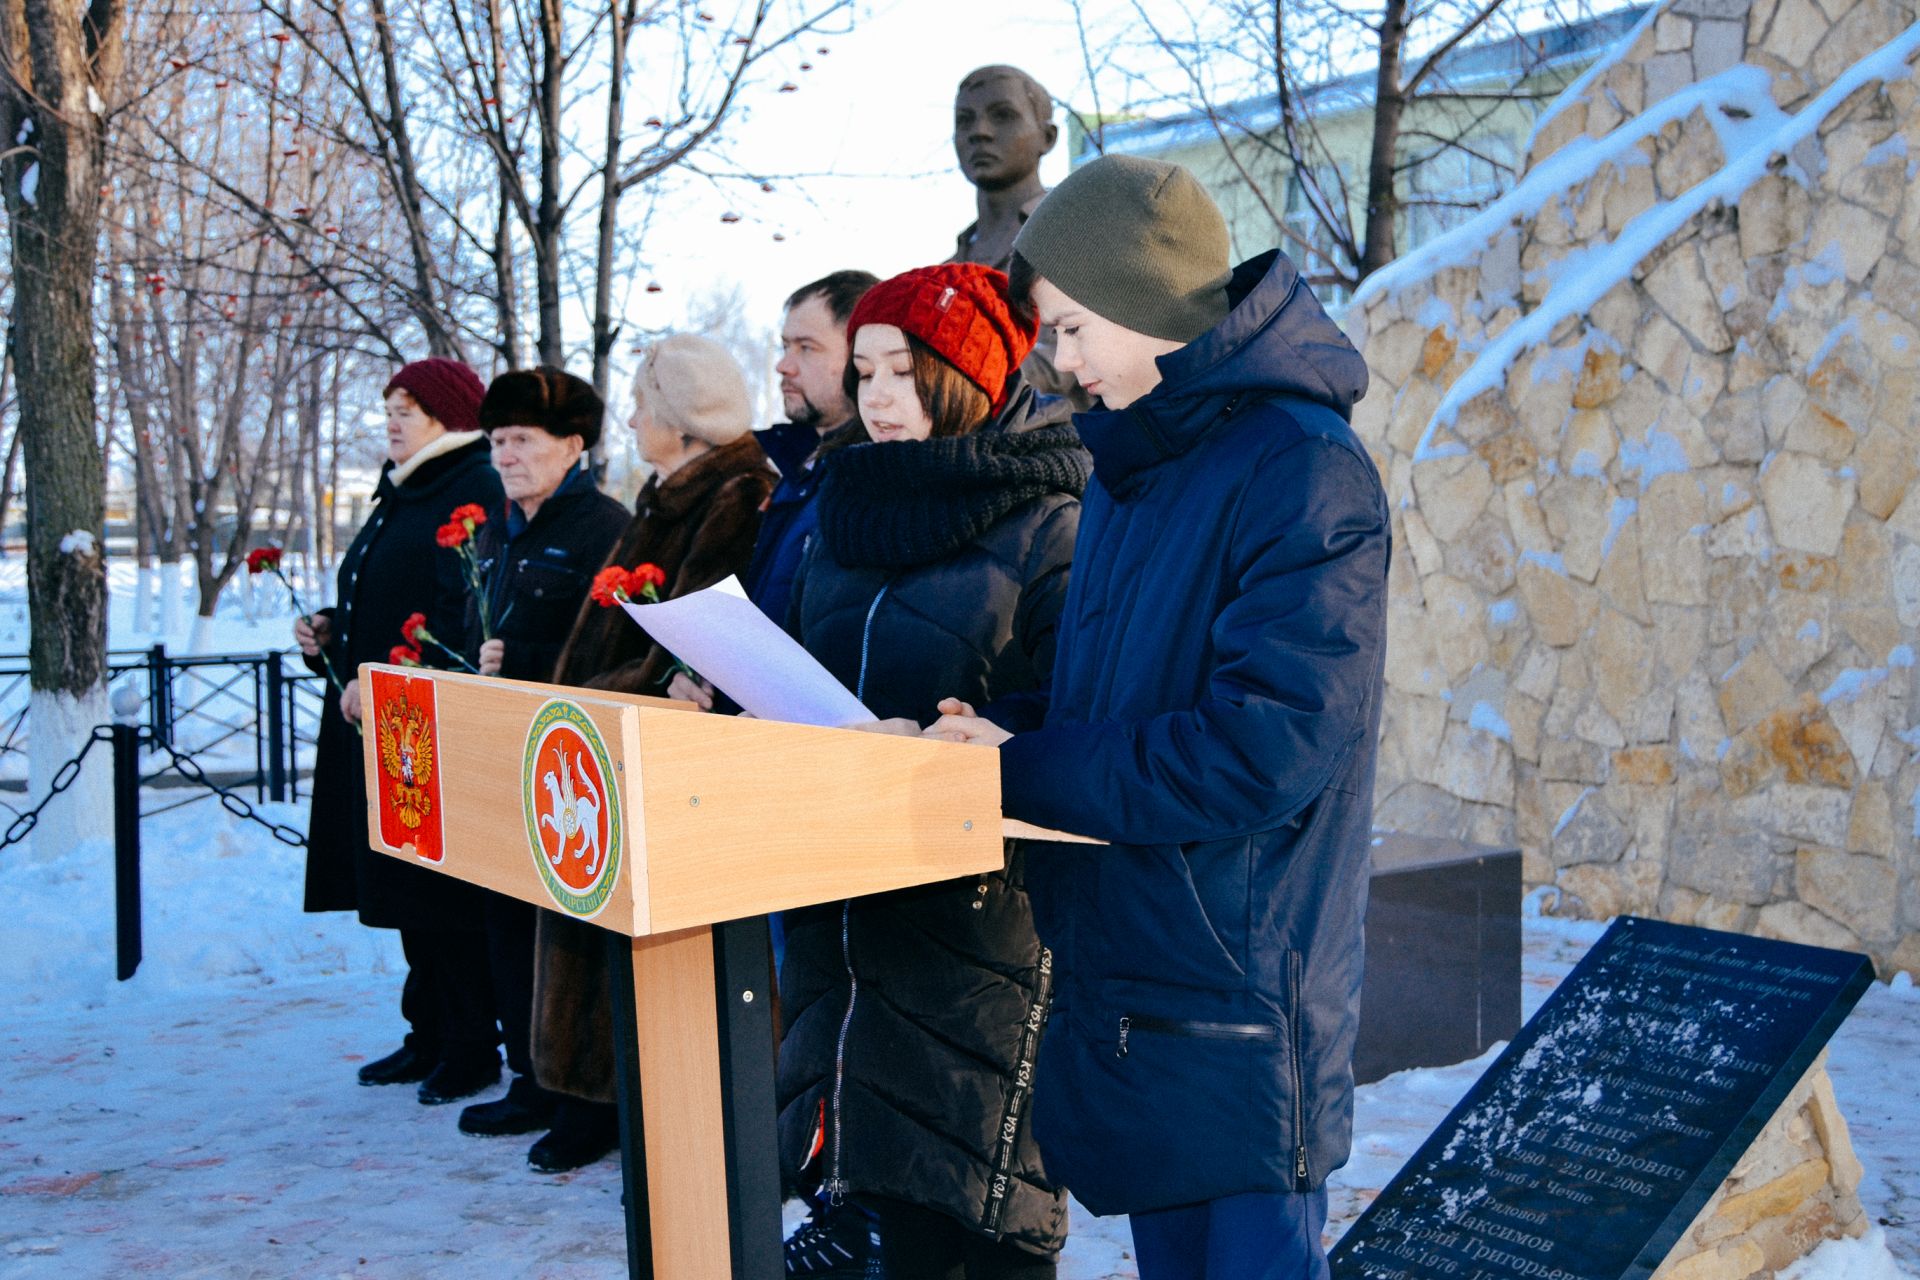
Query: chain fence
{"type": "Point", "coordinates": [252, 719]}
{"type": "Point", "coordinates": [65, 776]}
{"type": "Point", "coordinates": [180, 762]}
{"type": "Point", "coordinates": [234, 803]}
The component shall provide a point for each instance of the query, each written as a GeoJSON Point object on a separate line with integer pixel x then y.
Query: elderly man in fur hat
{"type": "Point", "coordinates": [537, 563]}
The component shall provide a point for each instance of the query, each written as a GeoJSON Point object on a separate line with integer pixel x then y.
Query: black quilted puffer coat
{"type": "Point", "coordinates": [912, 1019]}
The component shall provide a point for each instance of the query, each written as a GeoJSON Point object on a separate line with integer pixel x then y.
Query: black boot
{"type": "Point", "coordinates": [461, 1077]}
{"type": "Point", "coordinates": [527, 1108]}
{"type": "Point", "coordinates": [583, 1132]}
{"type": "Point", "coordinates": [834, 1244]}
{"type": "Point", "coordinates": [405, 1065]}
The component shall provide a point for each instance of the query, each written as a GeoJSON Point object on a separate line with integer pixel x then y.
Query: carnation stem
{"type": "Point", "coordinates": [434, 640]}
{"type": "Point", "coordinates": [306, 616]}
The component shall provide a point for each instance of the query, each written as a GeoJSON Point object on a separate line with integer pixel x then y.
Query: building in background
{"type": "Point", "coordinates": [1459, 148]}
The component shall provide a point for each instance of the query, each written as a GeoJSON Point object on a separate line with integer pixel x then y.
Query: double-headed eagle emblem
{"type": "Point", "coordinates": [406, 753]}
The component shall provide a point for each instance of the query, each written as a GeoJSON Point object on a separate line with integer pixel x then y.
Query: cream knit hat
{"type": "Point", "coordinates": [694, 386]}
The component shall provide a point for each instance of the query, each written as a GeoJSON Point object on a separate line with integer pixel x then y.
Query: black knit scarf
{"type": "Point", "coordinates": [911, 502]}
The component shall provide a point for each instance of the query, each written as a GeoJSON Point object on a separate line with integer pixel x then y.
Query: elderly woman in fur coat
{"type": "Point", "coordinates": [696, 519]}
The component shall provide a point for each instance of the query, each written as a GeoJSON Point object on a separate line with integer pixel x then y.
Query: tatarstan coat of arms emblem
{"type": "Point", "coordinates": [572, 808]}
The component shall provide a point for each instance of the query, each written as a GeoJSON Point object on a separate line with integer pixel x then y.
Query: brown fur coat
{"type": "Point", "coordinates": [698, 526]}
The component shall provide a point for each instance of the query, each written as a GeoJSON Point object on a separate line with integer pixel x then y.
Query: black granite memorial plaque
{"type": "Point", "coordinates": [1595, 1139]}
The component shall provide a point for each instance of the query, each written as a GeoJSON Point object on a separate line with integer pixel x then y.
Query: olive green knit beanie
{"type": "Point", "coordinates": [1140, 242]}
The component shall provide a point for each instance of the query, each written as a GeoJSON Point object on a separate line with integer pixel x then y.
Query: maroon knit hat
{"type": "Point", "coordinates": [446, 389]}
{"type": "Point", "coordinates": [961, 310]}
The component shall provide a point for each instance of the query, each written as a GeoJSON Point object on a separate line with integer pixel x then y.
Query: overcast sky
{"type": "Point", "coordinates": [875, 114]}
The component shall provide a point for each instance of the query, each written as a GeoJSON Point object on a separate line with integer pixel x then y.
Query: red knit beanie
{"type": "Point", "coordinates": [447, 389]}
{"type": "Point", "coordinates": [961, 310]}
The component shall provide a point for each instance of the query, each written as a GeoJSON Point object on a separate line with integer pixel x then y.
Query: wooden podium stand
{"type": "Point", "coordinates": [677, 833]}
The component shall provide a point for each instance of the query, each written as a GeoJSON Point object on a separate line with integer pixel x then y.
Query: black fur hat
{"type": "Point", "coordinates": [551, 399]}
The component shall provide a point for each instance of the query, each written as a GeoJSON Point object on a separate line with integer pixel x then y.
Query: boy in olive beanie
{"type": "Point", "coordinates": [1139, 241]}
{"type": "Point", "coordinates": [1212, 716]}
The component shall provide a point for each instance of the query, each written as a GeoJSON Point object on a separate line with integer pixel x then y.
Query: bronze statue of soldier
{"type": "Point", "coordinates": [1002, 126]}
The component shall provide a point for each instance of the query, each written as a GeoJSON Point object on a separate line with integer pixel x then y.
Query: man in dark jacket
{"type": "Point", "coordinates": [813, 357]}
{"type": "Point", "coordinates": [1213, 715]}
{"type": "Point", "coordinates": [538, 558]}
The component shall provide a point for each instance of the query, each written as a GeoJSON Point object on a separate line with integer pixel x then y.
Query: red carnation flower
{"type": "Point", "coordinates": [264, 560]}
{"type": "Point", "coordinates": [414, 627]}
{"type": "Point", "coordinates": [609, 586]}
{"type": "Point", "coordinates": [404, 655]}
{"type": "Point", "coordinates": [646, 580]}
{"type": "Point", "coordinates": [451, 535]}
{"type": "Point", "coordinates": [471, 513]}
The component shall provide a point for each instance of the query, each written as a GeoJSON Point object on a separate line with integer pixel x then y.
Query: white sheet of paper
{"type": "Point", "coordinates": [722, 635]}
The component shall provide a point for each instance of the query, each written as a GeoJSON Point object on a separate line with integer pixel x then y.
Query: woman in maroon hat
{"type": "Point", "coordinates": [947, 520]}
{"type": "Point", "coordinates": [436, 461]}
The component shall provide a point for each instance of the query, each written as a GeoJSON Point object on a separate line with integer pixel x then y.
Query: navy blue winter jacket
{"type": "Point", "coordinates": [1213, 714]}
{"type": "Point", "coordinates": [790, 519]}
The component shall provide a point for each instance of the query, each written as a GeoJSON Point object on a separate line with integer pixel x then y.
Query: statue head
{"type": "Point", "coordinates": [1002, 125]}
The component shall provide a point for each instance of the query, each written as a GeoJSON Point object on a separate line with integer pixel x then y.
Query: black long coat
{"type": "Point", "coordinates": [394, 568]}
{"type": "Point", "coordinates": [936, 1048]}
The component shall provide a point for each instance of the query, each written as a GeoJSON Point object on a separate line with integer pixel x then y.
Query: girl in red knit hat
{"type": "Point", "coordinates": [947, 517]}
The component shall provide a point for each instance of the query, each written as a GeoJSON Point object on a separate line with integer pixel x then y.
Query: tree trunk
{"type": "Point", "coordinates": [13, 456]}
{"type": "Point", "coordinates": [547, 228]}
{"type": "Point", "coordinates": [506, 298]}
{"type": "Point", "coordinates": [603, 263]}
{"type": "Point", "coordinates": [58, 65]}
{"type": "Point", "coordinates": [1389, 105]}
{"type": "Point", "coordinates": [425, 302]}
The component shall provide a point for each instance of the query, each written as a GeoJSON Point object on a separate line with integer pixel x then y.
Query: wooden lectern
{"type": "Point", "coordinates": [677, 833]}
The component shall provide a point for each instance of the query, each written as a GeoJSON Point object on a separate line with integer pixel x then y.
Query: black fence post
{"type": "Point", "coordinates": [276, 729]}
{"type": "Point", "coordinates": [160, 695]}
{"type": "Point", "coordinates": [126, 848]}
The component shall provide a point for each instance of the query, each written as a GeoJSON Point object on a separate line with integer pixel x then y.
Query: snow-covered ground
{"type": "Point", "coordinates": [202, 1119]}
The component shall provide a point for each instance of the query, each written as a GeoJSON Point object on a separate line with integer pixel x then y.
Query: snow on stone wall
{"type": "Point", "coordinates": [1651, 429]}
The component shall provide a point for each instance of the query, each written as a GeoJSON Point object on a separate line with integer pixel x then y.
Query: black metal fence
{"type": "Point", "coordinates": [250, 719]}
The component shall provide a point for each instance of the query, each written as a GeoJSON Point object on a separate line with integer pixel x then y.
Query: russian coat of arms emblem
{"type": "Point", "coordinates": [407, 751]}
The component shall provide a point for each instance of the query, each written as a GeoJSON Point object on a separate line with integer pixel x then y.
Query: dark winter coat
{"type": "Point", "coordinates": [698, 526]}
{"type": "Point", "coordinates": [393, 568]}
{"type": "Point", "coordinates": [538, 571]}
{"type": "Point", "coordinates": [939, 571]}
{"type": "Point", "coordinates": [1213, 713]}
{"type": "Point", "coordinates": [790, 518]}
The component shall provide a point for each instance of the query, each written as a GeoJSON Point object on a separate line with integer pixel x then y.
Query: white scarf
{"type": "Point", "coordinates": [446, 443]}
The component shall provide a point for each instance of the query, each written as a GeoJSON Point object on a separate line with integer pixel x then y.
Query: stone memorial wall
{"type": "Point", "coordinates": [1651, 431]}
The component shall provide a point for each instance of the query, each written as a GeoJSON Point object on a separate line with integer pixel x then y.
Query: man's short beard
{"type": "Point", "coordinates": [808, 415]}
